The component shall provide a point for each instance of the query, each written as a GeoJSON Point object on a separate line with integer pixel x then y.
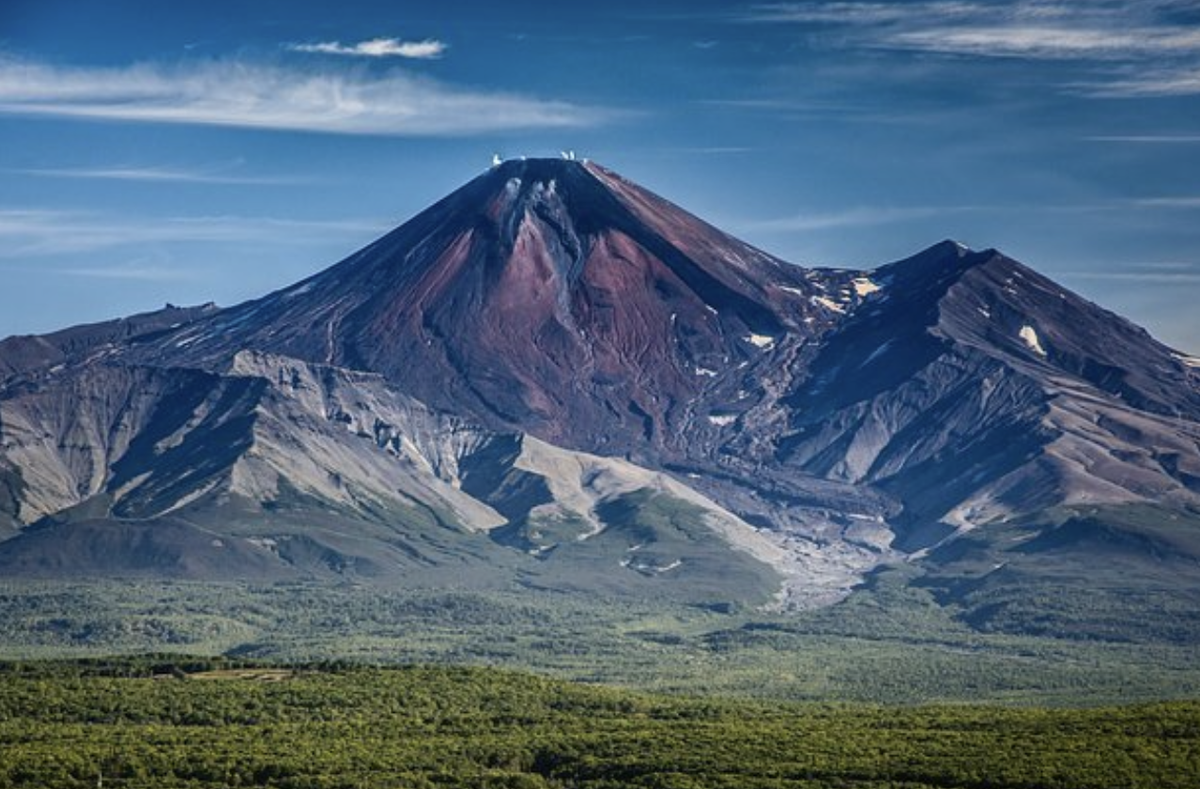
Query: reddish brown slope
{"type": "Point", "coordinates": [550, 295]}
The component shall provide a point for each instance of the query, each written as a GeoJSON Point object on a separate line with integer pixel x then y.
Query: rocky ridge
{"type": "Point", "coordinates": [527, 363]}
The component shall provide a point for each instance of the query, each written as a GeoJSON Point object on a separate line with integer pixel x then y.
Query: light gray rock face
{"type": "Point", "coordinates": [278, 468]}
{"type": "Point", "coordinates": [521, 375]}
{"type": "Point", "coordinates": [972, 388]}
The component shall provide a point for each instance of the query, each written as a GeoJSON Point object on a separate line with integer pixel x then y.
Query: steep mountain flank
{"type": "Point", "coordinates": [554, 377]}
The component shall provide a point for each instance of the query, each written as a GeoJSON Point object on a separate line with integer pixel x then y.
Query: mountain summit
{"type": "Point", "coordinates": [549, 295]}
{"type": "Point", "coordinates": [554, 376]}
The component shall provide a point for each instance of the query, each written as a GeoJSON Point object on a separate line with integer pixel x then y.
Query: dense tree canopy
{"type": "Point", "coordinates": [162, 723]}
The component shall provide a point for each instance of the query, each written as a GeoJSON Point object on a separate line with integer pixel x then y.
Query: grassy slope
{"type": "Point", "coordinates": [1084, 607]}
{"type": "Point", "coordinates": [1111, 573]}
{"type": "Point", "coordinates": [421, 727]}
{"type": "Point", "coordinates": [893, 644]}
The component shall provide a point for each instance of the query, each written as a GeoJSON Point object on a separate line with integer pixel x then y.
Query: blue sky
{"type": "Point", "coordinates": [188, 152]}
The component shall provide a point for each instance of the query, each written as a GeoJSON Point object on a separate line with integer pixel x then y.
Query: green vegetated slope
{"type": "Point", "coordinates": [1082, 606]}
{"type": "Point", "coordinates": [115, 725]}
{"type": "Point", "coordinates": [891, 642]}
{"type": "Point", "coordinates": [1110, 573]}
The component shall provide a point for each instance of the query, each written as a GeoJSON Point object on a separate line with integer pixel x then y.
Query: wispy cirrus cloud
{"type": "Point", "coordinates": [1149, 47]}
{"type": "Point", "coordinates": [1185, 202]}
{"type": "Point", "coordinates": [426, 49]}
{"type": "Point", "coordinates": [154, 175]}
{"type": "Point", "coordinates": [135, 271]}
{"type": "Point", "coordinates": [870, 216]}
{"type": "Point", "coordinates": [859, 216]}
{"type": "Point", "coordinates": [1147, 139]}
{"type": "Point", "coordinates": [1154, 272]}
{"type": "Point", "coordinates": [1153, 277]}
{"type": "Point", "coordinates": [251, 95]}
{"type": "Point", "coordinates": [1051, 42]}
{"type": "Point", "coordinates": [1149, 83]}
{"type": "Point", "coordinates": [853, 13]}
{"type": "Point", "coordinates": [43, 232]}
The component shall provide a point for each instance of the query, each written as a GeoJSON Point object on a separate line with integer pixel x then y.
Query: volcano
{"type": "Point", "coordinates": [554, 377]}
{"type": "Point", "coordinates": [546, 295]}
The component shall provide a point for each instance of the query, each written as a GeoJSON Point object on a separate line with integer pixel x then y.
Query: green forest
{"type": "Point", "coordinates": [890, 644]}
{"type": "Point", "coordinates": [177, 722]}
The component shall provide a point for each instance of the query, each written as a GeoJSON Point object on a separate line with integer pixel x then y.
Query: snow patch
{"type": "Point", "coordinates": [704, 371]}
{"type": "Point", "coordinates": [1031, 339]}
{"type": "Point", "coordinates": [829, 304]}
{"type": "Point", "coordinates": [760, 340]}
{"type": "Point", "coordinates": [984, 312]}
{"type": "Point", "coordinates": [864, 287]}
{"type": "Point", "coordinates": [299, 290]}
{"type": "Point", "coordinates": [1189, 361]}
{"type": "Point", "coordinates": [795, 291]}
{"type": "Point", "coordinates": [722, 420]}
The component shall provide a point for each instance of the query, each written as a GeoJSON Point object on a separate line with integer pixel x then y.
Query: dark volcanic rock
{"type": "Point", "coordinates": [33, 352]}
{"type": "Point", "coordinates": [507, 374]}
{"type": "Point", "coordinates": [550, 296]}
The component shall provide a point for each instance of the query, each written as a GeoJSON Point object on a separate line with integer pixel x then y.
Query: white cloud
{"type": "Point", "coordinates": [137, 272]}
{"type": "Point", "coordinates": [715, 150]}
{"type": "Point", "coordinates": [153, 175]}
{"type": "Point", "coordinates": [1158, 55]}
{"type": "Point", "coordinates": [1169, 202]}
{"type": "Point", "coordinates": [1049, 42]}
{"type": "Point", "coordinates": [1146, 277]}
{"type": "Point", "coordinates": [1148, 139]}
{"type": "Point", "coordinates": [41, 232]}
{"type": "Point", "coordinates": [247, 95]}
{"type": "Point", "coordinates": [843, 13]}
{"type": "Point", "coordinates": [864, 216]}
{"type": "Point", "coordinates": [427, 49]}
{"type": "Point", "coordinates": [1172, 81]}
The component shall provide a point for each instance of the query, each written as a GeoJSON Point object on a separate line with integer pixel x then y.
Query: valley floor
{"type": "Point", "coordinates": [135, 724]}
{"type": "Point", "coordinates": [892, 644]}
